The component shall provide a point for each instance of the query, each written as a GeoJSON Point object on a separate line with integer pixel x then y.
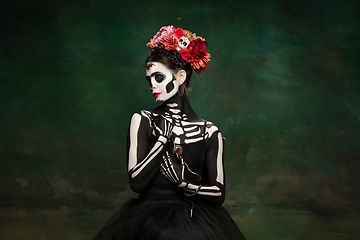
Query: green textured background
{"type": "Point", "coordinates": [283, 86]}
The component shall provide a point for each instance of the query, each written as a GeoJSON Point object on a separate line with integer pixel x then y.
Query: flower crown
{"type": "Point", "coordinates": [192, 48]}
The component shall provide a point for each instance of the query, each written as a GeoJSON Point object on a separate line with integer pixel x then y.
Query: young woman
{"type": "Point", "coordinates": [175, 158]}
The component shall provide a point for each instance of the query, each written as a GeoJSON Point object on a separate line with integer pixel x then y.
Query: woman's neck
{"type": "Point", "coordinates": [181, 103]}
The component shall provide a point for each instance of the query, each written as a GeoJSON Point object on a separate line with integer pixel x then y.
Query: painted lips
{"type": "Point", "coordinates": [156, 94]}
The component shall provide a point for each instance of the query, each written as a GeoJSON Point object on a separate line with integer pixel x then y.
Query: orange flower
{"type": "Point", "coordinates": [169, 43]}
{"type": "Point", "coordinates": [197, 37]}
{"type": "Point", "coordinates": [200, 65]}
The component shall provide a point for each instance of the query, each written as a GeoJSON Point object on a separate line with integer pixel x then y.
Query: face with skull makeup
{"type": "Point", "coordinates": [162, 82]}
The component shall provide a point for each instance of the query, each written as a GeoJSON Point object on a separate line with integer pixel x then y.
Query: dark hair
{"type": "Point", "coordinates": [173, 60]}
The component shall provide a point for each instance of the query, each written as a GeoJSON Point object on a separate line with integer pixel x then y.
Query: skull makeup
{"type": "Point", "coordinates": [183, 43]}
{"type": "Point", "coordinates": [162, 82]}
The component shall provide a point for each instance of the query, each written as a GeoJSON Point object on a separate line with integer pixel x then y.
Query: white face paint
{"type": "Point", "coordinates": [162, 81]}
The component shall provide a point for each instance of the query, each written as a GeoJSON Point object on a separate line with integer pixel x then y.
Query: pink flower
{"type": "Point", "coordinates": [164, 32]}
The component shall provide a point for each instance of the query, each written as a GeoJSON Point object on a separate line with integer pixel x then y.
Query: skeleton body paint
{"type": "Point", "coordinates": [177, 129]}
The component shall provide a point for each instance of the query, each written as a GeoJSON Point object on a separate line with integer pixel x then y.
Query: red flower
{"type": "Point", "coordinates": [179, 32]}
{"type": "Point", "coordinates": [186, 54]}
{"type": "Point", "coordinates": [201, 65]}
{"type": "Point", "coordinates": [198, 49]}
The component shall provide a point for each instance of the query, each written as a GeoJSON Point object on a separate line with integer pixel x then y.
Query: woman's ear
{"type": "Point", "coordinates": [181, 76]}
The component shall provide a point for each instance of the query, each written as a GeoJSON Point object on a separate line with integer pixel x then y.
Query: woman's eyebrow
{"type": "Point", "coordinates": [151, 75]}
{"type": "Point", "coordinates": [155, 73]}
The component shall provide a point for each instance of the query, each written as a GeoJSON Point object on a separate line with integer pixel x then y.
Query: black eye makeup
{"type": "Point", "coordinates": [159, 77]}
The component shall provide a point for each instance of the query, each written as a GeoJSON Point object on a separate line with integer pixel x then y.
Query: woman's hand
{"type": "Point", "coordinates": [173, 169]}
{"type": "Point", "coordinates": [164, 127]}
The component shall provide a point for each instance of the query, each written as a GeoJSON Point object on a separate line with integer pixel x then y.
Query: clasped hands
{"type": "Point", "coordinates": [171, 166]}
{"type": "Point", "coordinates": [173, 169]}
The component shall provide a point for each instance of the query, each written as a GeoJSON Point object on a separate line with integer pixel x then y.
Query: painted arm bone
{"type": "Point", "coordinates": [143, 164]}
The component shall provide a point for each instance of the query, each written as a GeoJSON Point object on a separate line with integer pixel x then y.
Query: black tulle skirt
{"type": "Point", "coordinates": [163, 215]}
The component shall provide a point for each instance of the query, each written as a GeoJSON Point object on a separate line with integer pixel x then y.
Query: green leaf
{"type": "Point", "coordinates": [177, 22]}
{"type": "Point", "coordinates": [206, 43]}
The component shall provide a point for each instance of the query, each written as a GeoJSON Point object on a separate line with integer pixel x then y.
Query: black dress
{"type": "Point", "coordinates": [163, 212]}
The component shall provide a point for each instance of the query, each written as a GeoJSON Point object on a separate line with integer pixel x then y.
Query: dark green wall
{"type": "Point", "coordinates": [283, 86]}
